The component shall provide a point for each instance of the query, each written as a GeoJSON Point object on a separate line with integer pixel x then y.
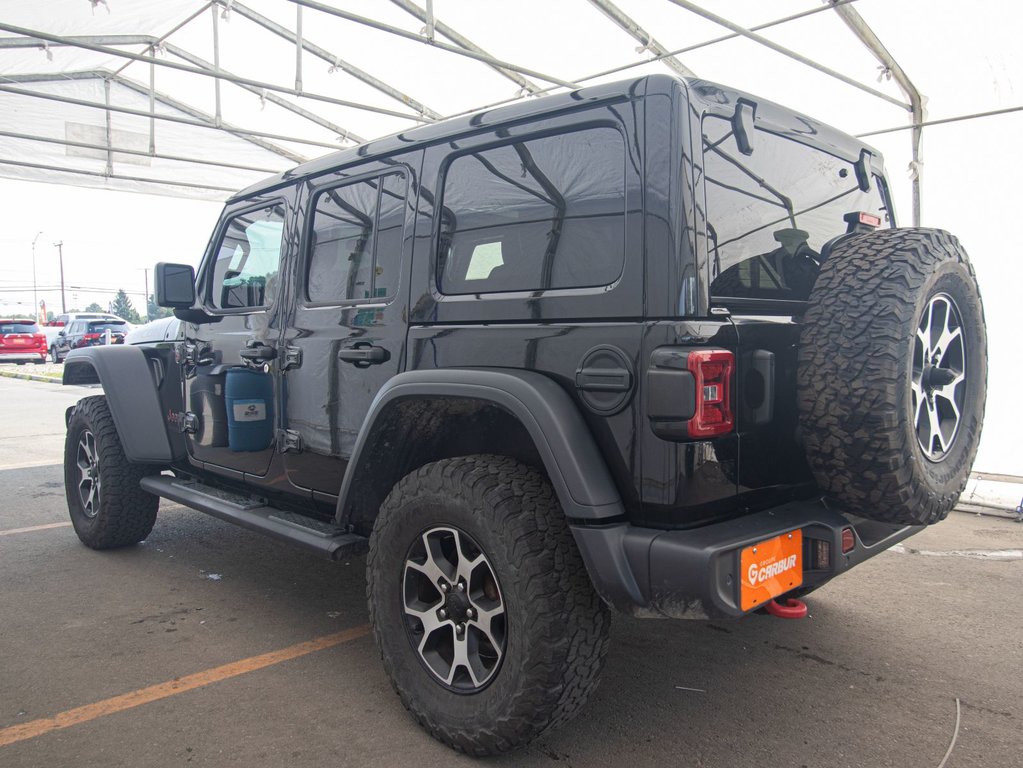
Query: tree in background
{"type": "Point", "coordinates": [155, 311]}
{"type": "Point", "coordinates": [122, 307]}
{"type": "Point", "coordinates": [95, 307]}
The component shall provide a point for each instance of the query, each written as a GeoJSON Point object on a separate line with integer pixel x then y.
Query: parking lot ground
{"type": "Point", "coordinates": [156, 655]}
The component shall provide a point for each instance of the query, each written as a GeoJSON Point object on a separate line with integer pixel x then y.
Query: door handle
{"type": "Point", "coordinates": [257, 352]}
{"type": "Point", "coordinates": [363, 355]}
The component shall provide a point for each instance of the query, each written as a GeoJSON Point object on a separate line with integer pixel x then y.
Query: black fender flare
{"type": "Point", "coordinates": [127, 380]}
{"type": "Point", "coordinates": [574, 464]}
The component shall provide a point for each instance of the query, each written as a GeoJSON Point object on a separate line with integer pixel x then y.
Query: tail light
{"type": "Point", "coordinates": [712, 370]}
{"type": "Point", "coordinates": [848, 540]}
{"type": "Point", "coordinates": [39, 339]}
{"type": "Point", "coordinates": [92, 336]}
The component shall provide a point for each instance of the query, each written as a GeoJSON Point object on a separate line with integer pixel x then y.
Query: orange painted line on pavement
{"type": "Point", "coordinates": [84, 714]}
{"type": "Point", "coordinates": [12, 531]}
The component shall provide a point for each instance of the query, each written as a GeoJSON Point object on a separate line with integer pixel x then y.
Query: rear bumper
{"type": "Point", "coordinates": [22, 354]}
{"type": "Point", "coordinates": [695, 574]}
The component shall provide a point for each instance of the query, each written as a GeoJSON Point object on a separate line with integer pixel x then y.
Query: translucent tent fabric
{"type": "Point", "coordinates": [353, 82]}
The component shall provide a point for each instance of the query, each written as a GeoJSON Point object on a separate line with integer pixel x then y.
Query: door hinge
{"type": "Point", "coordinates": [289, 441]}
{"type": "Point", "coordinates": [292, 358]}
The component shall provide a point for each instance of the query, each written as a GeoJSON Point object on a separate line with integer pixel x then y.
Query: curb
{"type": "Point", "coordinates": [30, 377]}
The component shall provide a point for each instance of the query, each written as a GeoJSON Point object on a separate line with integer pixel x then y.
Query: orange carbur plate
{"type": "Point", "coordinates": [771, 568]}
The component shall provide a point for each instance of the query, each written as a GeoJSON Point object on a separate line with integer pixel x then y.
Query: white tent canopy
{"type": "Point", "coordinates": [196, 98]}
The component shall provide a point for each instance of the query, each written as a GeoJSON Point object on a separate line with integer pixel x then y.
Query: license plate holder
{"type": "Point", "coordinates": [770, 568]}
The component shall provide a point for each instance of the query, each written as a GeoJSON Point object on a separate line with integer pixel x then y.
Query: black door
{"type": "Point", "coordinates": [346, 336]}
{"type": "Point", "coordinates": [239, 286]}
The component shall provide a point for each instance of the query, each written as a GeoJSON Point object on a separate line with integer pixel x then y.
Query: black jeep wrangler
{"type": "Point", "coordinates": [655, 346]}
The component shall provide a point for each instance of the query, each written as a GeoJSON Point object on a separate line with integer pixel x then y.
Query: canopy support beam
{"type": "Point", "coordinates": [409, 7]}
{"type": "Point", "coordinates": [750, 35]}
{"type": "Point", "coordinates": [647, 41]}
{"type": "Point", "coordinates": [84, 43]}
{"type": "Point", "coordinates": [199, 119]}
{"type": "Point", "coordinates": [866, 35]}
{"type": "Point", "coordinates": [399, 32]}
{"type": "Point", "coordinates": [334, 61]}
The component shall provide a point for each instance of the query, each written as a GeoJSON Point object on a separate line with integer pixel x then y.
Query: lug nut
{"type": "Point", "coordinates": [442, 613]}
{"type": "Point", "coordinates": [460, 629]}
{"type": "Point", "coordinates": [444, 586]}
{"type": "Point", "coordinates": [461, 587]}
{"type": "Point", "coordinates": [470, 613]}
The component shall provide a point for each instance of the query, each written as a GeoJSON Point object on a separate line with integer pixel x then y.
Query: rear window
{"type": "Point", "coordinates": [18, 326]}
{"type": "Point", "coordinates": [537, 214]}
{"type": "Point", "coordinates": [102, 325]}
{"type": "Point", "coordinates": [770, 213]}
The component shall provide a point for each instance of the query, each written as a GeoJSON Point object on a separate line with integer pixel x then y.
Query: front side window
{"type": "Point", "coordinates": [357, 233]}
{"type": "Point", "coordinates": [770, 213]}
{"type": "Point", "coordinates": [245, 273]}
{"type": "Point", "coordinates": [536, 214]}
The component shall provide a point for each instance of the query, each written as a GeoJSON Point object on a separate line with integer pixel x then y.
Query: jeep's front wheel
{"type": "Point", "coordinates": [108, 507]}
{"type": "Point", "coordinates": [484, 614]}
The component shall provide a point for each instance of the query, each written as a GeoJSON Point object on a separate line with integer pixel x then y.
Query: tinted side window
{"type": "Point", "coordinates": [245, 273]}
{"type": "Point", "coordinates": [355, 249]}
{"type": "Point", "coordinates": [769, 213]}
{"type": "Point", "coordinates": [537, 214]}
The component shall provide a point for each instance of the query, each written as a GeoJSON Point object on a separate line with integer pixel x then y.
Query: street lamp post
{"type": "Point", "coordinates": [60, 252]}
{"type": "Point", "coordinates": [35, 293]}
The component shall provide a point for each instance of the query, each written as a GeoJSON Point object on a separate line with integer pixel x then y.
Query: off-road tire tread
{"type": "Point", "coordinates": [127, 513]}
{"type": "Point", "coordinates": [852, 361]}
{"type": "Point", "coordinates": [565, 611]}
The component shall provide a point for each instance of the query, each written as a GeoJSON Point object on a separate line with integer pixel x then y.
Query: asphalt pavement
{"type": "Point", "coordinates": [211, 646]}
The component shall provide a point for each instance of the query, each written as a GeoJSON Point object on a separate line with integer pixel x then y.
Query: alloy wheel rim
{"type": "Point", "coordinates": [88, 474]}
{"type": "Point", "coordinates": [939, 377]}
{"type": "Point", "coordinates": [453, 609]}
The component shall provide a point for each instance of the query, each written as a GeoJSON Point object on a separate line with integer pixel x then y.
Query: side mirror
{"type": "Point", "coordinates": [175, 285]}
{"type": "Point", "coordinates": [61, 333]}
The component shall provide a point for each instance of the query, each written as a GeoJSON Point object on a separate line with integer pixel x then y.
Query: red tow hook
{"type": "Point", "coordinates": [792, 609]}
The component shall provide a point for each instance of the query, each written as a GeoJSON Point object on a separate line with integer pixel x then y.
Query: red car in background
{"type": "Point", "coordinates": [22, 341]}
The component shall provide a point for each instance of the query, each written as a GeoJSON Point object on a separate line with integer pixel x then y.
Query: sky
{"type": "Point", "coordinates": [962, 61]}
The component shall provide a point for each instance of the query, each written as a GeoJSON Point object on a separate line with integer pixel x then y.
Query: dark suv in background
{"type": "Point", "coordinates": [655, 345]}
{"type": "Point", "coordinates": [87, 333]}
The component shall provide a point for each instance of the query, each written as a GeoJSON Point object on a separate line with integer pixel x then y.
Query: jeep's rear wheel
{"type": "Point", "coordinates": [481, 606]}
{"type": "Point", "coordinates": [893, 375]}
{"type": "Point", "coordinates": [108, 507]}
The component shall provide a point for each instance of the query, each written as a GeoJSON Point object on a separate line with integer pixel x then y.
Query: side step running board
{"type": "Point", "coordinates": [314, 535]}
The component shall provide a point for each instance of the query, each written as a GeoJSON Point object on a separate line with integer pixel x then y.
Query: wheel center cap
{"type": "Point", "coordinates": [935, 378]}
{"type": "Point", "coordinates": [457, 605]}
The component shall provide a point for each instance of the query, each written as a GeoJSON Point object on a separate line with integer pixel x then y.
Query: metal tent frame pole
{"type": "Point", "coordinates": [433, 23]}
{"type": "Point", "coordinates": [866, 35]}
{"type": "Point", "coordinates": [303, 43]}
{"type": "Point", "coordinates": [86, 44]}
{"type": "Point", "coordinates": [648, 43]}
{"type": "Point", "coordinates": [399, 32]}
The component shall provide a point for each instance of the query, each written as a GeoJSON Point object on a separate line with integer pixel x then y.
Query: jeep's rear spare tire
{"type": "Point", "coordinates": [892, 374]}
{"type": "Point", "coordinates": [481, 606]}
